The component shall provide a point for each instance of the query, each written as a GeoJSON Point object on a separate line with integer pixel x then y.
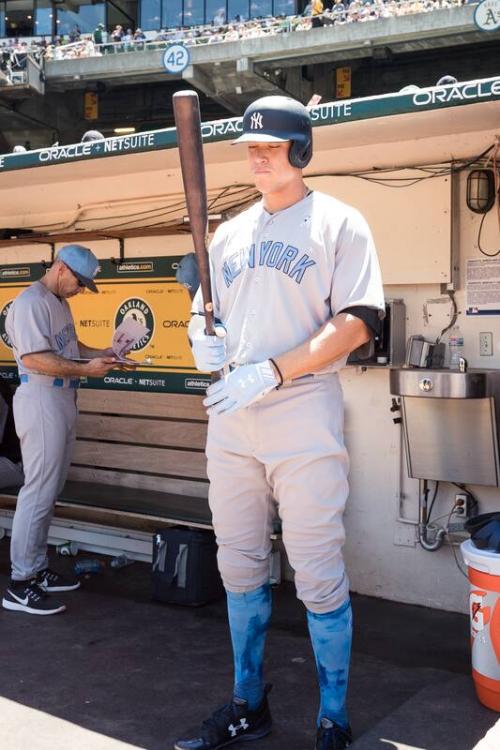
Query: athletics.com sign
{"type": "Point", "coordinates": [487, 15]}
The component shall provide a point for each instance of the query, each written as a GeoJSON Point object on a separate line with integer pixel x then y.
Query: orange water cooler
{"type": "Point", "coordinates": [484, 609]}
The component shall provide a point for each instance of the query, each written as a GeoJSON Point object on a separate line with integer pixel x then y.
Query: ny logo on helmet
{"type": "Point", "coordinates": [256, 121]}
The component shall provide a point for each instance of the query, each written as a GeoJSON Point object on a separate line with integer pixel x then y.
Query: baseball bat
{"type": "Point", "coordinates": [188, 126]}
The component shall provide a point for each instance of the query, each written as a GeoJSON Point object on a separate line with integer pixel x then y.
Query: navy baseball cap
{"type": "Point", "coordinates": [188, 273]}
{"type": "Point", "coordinates": [82, 262]}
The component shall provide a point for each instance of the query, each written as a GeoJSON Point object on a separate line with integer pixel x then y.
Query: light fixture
{"type": "Point", "coordinates": [480, 190]}
{"type": "Point", "coordinates": [124, 131]}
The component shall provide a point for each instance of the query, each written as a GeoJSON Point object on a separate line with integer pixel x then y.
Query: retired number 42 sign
{"type": "Point", "coordinates": [176, 58]}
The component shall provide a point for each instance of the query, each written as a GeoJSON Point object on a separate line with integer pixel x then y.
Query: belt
{"type": "Point", "coordinates": [54, 383]}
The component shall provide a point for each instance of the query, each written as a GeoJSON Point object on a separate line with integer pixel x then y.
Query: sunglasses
{"type": "Point", "coordinates": [80, 283]}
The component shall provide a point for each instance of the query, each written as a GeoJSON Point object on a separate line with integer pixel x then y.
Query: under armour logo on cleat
{"type": "Point", "coordinates": [256, 121]}
{"type": "Point", "coordinates": [235, 729]}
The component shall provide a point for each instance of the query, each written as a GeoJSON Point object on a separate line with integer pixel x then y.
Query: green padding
{"type": "Point", "coordinates": [130, 500]}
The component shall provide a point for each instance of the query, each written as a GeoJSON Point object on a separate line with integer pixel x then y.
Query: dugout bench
{"type": "Point", "coordinates": [139, 464]}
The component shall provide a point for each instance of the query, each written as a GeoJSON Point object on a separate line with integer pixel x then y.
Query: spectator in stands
{"type": "Point", "coordinates": [219, 18]}
{"type": "Point", "coordinates": [231, 34]}
{"type": "Point", "coordinates": [128, 38]}
{"type": "Point", "coordinates": [317, 13]}
{"type": "Point", "coordinates": [97, 35]}
{"type": "Point", "coordinates": [11, 468]}
{"type": "Point", "coordinates": [339, 11]}
{"type": "Point", "coordinates": [18, 149]}
{"type": "Point", "coordinates": [92, 135]}
{"type": "Point", "coordinates": [116, 37]}
{"type": "Point", "coordinates": [117, 33]}
{"type": "Point", "coordinates": [139, 39]}
{"type": "Point", "coordinates": [217, 35]}
{"type": "Point", "coordinates": [74, 34]}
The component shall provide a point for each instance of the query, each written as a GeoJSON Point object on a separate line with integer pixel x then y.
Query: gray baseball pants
{"type": "Point", "coordinates": [45, 419]}
{"type": "Point", "coordinates": [286, 450]}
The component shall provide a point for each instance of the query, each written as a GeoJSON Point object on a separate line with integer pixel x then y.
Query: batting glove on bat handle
{"type": "Point", "coordinates": [209, 352]}
{"type": "Point", "coordinates": [241, 387]}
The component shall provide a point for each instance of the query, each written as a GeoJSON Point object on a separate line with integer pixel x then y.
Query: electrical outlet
{"type": "Point", "coordinates": [485, 344]}
{"type": "Point", "coordinates": [461, 504]}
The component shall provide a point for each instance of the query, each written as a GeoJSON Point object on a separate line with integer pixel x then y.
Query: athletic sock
{"type": "Point", "coordinates": [249, 615]}
{"type": "Point", "coordinates": [331, 636]}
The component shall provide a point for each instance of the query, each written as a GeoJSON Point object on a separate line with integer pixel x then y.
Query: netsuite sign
{"type": "Point", "coordinates": [329, 113]}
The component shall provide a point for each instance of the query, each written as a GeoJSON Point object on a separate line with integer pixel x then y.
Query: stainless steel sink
{"type": "Point", "coordinates": [445, 383]}
{"type": "Point", "coordinates": [451, 423]}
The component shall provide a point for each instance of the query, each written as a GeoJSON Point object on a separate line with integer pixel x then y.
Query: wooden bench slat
{"type": "Point", "coordinates": [155, 460]}
{"type": "Point", "coordinates": [160, 504]}
{"type": "Point", "coordinates": [90, 514]}
{"type": "Point", "coordinates": [126, 479]}
{"type": "Point", "coordinates": [169, 405]}
{"type": "Point", "coordinates": [145, 431]}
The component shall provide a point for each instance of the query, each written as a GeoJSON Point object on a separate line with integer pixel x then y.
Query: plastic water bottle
{"type": "Point", "coordinates": [456, 345]}
{"type": "Point", "coordinates": [88, 565]}
{"type": "Point", "coordinates": [120, 562]}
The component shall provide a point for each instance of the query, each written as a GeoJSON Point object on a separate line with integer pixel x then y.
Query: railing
{"type": "Point", "coordinates": [356, 12]}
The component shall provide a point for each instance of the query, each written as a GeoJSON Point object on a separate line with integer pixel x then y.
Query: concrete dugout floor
{"type": "Point", "coordinates": [119, 672]}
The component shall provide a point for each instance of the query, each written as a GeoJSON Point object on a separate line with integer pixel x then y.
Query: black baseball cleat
{"type": "Point", "coordinates": [27, 596]}
{"type": "Point", "coordinates": [50, 581]}
{"type": "Point", "coordinates": [234, 722]}
{"type": "Point", "coordinates": [332, 736]}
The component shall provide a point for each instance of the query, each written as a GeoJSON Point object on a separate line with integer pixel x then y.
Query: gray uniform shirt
{"type": "Point", "coordinates": [38, 321]}
{"type": "Point", "coordinates": [276, 278]}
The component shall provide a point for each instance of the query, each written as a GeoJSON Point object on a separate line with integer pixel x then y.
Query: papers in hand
{"type": "Point", "coordinates": [128, 333]}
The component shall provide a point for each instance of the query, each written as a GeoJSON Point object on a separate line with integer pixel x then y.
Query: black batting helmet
{"type": "Point", "coordinates": [279, 119]}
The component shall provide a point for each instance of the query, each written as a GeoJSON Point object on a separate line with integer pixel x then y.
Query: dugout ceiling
{"type": "Point", "coordinates": [139, 194]}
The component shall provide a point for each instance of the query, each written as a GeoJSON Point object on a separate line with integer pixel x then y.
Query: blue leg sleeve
{"type": "Point", "coordinates": [249, 615]}
{"type": "Point", "coordinates": [331, 636]}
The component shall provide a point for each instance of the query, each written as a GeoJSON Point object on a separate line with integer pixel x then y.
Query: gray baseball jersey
{"type": "Point", "coordinates": [277, 278]}
{"type": "Point", "coordinates": [38, 321]}
{"type": "Point", "coordinates": [45, 414]}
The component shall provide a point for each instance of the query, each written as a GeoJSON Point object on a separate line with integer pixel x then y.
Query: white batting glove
{"type": "Point", "coordinates": [243, 386]}
{"type": "Point", "coordinates": [209, 352]}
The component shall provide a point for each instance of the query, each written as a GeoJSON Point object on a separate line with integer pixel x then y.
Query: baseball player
{"type": "Point", "coordinates": [41, 329]}
{"type": "Point", "coordinates": [297, 286]}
